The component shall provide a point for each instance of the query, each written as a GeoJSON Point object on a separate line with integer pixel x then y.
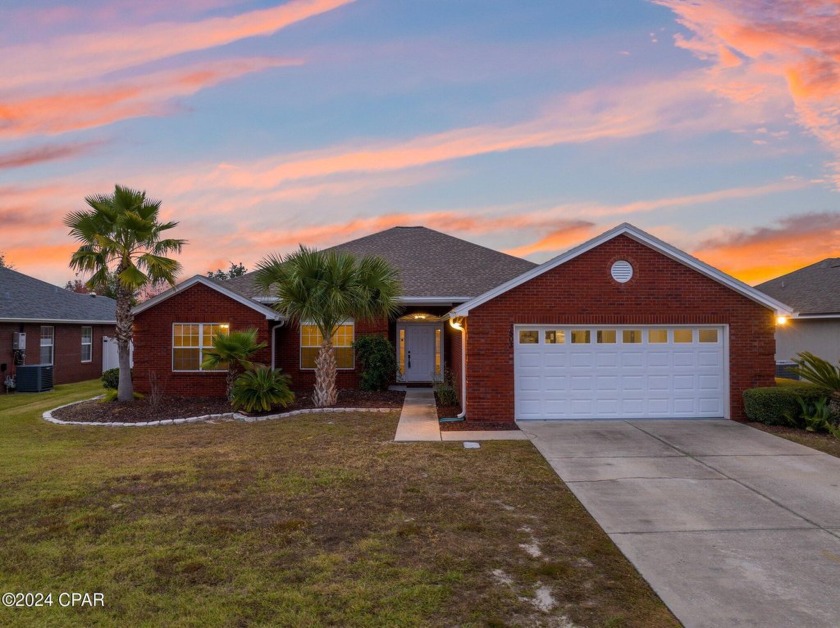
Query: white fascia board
{"type": "Point", "coordinates": [806, 317]}
{"type": "Point", "coordinates": [643, 238]}
{"type": "Point", "coordinates": [56, 321]}
{"type": "Point", "coordinates": [268, 312]}
{"type": "Point", "coordinates": [409, 300]}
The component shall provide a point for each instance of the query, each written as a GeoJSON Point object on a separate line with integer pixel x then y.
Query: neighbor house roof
{"type": "Point", "coordinates": [26, 299]}
{"type": "Point", "coordinates": [639, 236]}
{"type": "Point", "coordinates": [811, 291]}
{"type": "Point", "coordinates": [432, 265]}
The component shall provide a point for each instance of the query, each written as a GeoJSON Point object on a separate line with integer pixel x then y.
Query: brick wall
{"type": "Point", "coordinates": [153, 340]}
{"type": "Point", "coordinates": [200, 304]}
{"type": "Point", "coordinates": [67, 350]}
{"type": "Point", "coordinates": [287, 356]}
{"type": "Point", "coordinates": [581, 291]}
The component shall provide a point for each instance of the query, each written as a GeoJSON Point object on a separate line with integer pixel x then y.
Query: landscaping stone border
{"type": "Point", "coordinates": [227, 416]}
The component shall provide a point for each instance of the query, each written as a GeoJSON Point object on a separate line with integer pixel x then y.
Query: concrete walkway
{"type": "Point", "coordinates": [419, 422]}
{"type": "Point", "coordinates": [731, 526]}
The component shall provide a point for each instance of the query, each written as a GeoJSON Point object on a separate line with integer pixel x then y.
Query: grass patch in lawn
{"type": "Point", "coordinates": [314, 520]}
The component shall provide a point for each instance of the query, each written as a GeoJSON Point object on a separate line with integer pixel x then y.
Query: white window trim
{"type": "Point", "coordinates": [200, 348]}
{"type": "Point", "coordinates": [87, 344]}
{"type": "Point", "coordinates": [51, 345]}
{"type": "Point", "coordinates": [301, 347]}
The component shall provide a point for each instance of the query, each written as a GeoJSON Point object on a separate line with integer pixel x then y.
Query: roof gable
{"type": "Point", "coordinates": [643, 238]}
{"type": "Point", "coordinates": [813, 290]}
{"type": "Point", "coordinates": [24, 298]}
{"type": "Point", "coordinates": [268, 312]}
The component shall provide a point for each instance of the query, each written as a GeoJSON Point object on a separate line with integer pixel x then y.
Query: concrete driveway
{"type": "Point", "coordinates": [731, 526]}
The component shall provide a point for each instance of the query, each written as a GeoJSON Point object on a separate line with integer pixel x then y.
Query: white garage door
{"type": "Point", "coordinates": [619, 372]}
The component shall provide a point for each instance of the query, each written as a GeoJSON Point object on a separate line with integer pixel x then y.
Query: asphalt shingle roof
{"type": "Point", "coordinates": [814, 289]}
{"type": "Point", "coordinates": [24, 297]}
{"type": "Point", "coordinates": [430, 263]}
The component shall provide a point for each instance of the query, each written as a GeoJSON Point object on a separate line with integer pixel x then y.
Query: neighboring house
{"type": "Point", "coordinates": [622, 326]}
{"type": "Point", "coordinates": [814, 294]}
{"type": "Point", "coordinates": [61, 328]}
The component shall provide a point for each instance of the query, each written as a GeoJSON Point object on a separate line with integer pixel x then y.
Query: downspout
{"type": "Point", "coordinates": [456, 325]}
{"type": "Point", "coordinates": [281, 323]}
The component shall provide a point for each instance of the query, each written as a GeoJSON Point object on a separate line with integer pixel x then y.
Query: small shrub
{"type": "Point", "coordinates": [111, 378]}
{"type": "Point", "coordinates": [261, 389]}
{"type": "Point", "coordinates": [778, 405]}
{"type": "Point", "coordinates": [445, 390]}
{"type": "Point", "coordinates": [377, 357]}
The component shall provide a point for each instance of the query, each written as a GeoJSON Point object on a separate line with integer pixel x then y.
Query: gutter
{"type": "Point", "coordinates": [57, 321]}
{"type": "Point", "coordinates": [454, 324]}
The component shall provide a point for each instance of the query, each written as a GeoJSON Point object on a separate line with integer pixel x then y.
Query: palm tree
{"type": "Point", "coordinates": [233, 350]}
{"type": "Point", "coordinates": [325, 289]}
{"type": "Point", "coordinates": [121, 234]}
{"type": "Point", "coordinates": [822, 373]}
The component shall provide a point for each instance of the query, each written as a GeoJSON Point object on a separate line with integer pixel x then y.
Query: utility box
{"type": "Point", "coordinates": [34, 378]}
{"type": "Point", "coordinates": [18, 341]}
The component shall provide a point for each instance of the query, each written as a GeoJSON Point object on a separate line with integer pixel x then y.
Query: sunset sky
{"type": "Point", "coordinates": [525, 126]}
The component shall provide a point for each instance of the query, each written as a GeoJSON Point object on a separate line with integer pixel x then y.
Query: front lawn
{"type": "Point", "coordinates": [315, 520]}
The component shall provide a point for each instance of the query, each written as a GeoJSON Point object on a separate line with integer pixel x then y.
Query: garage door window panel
{"type": "Point", "coordinates": [581, 336]}
{"type": "Point", "coordinates": [631, 336]}
{"type": "Point", "coordinates": [529, 337]}
{"type": "Point", "coordinates": [657, 336]}
{"type": "Point", "coordinates": [708, 336]}
{"type": "Point", "coordinates": [606, 336]}
{"type": "Point", "coordinates": [555, 336]}
{"type": "Point", "coordinates": [683, 336]}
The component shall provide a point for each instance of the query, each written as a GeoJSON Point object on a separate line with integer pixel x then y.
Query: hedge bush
{"type": "Point", "coordinates": [377, 357]}
{"type": "Point", "coordinates": [772, 405]}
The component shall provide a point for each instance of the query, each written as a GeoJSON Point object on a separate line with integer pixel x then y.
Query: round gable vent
{"type": "Point", "coordinates": [622, 271]}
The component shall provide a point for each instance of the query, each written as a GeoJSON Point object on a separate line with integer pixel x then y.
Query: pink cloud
{"type": "Point", "coordinates": [787, 49]}
{"type": "Point", "coordinates": [42, 154]}
{"type": "Point", "coordinates": [93, 55]}
{"type": "Point", "coordinates": [758, 254]}
{"type": "Point", "coordinates": [616, 113]}
{"type": "Point", "coordinates": [83, 108]}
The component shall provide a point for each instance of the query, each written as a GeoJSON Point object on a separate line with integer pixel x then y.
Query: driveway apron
{"type": "Point", "coordinates": [731, 526]}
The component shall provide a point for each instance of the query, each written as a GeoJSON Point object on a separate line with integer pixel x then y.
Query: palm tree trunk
{"type": "Point", "coordinates": [326, 393]}
{"type": "Point", "coordinates": [125, 321]}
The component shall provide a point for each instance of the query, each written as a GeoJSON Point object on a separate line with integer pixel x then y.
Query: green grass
{"type": "Point", "coordinates": [315, 520]}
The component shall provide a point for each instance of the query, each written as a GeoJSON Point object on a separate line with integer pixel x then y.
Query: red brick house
{"type": "Point", "coordinates": [43, 324]}
{"type": "Point", "coordinates": [622, 326]}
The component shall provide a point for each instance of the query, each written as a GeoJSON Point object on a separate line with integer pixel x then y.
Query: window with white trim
{"type": "Point", "coordinates": [87, 343]}
{"type": "Point", "coordinates": [342, 340]}
{"type": "Point", "coordinates": [47, 344]}
{"type": "Point", "coordinates": [191, 340]}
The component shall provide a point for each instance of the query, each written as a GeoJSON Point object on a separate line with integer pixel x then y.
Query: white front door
{"type": "Point", "coordinates": [419, 353]}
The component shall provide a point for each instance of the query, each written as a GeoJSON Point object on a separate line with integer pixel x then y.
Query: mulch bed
{"type": "Point", "coordinates": [185, 407]}
{"type": "Point", "coordinates": [447, 412]}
